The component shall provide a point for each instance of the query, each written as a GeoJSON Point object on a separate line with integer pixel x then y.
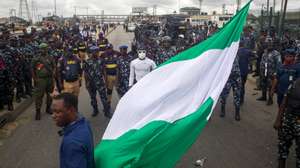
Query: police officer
{"type": "Point", "coordinates": [70, 72]}
{"type": "Point", "coordinates": [82, 51]}
{"type": "Point", "coordinates": [102, 43]}
{"type": "Point", "coordinates": [124, 70]}
{"type": "Point", "coordinates": [286, 74]}
{"type": "Point", "coordinates": [4, 83]}
{"type": "Point", "coordinates": [28, 52]}
{"type": "Point", "coordinates": [244, 55]}
{"type": "Point", "coordinates": [43, 75]}
{"type": "Point", "coordinates": [234, 82]}
{"type": "Point", "coordinates": [165, 51]}
{"type": "Point", "coordinates": [269, 63]}
{"type": "Point", "coordinates": [8, 79]}
{"type": "Point", "coordinates": [288, 124]}
{"type": "Point", "coordinates": [140, 67]}
{"type": "Point", "coordinates": [94, 69]}
{"type": "Point", "coordinates": [110, 58]}
{"type": "Point", "coordinates": [18, 68]}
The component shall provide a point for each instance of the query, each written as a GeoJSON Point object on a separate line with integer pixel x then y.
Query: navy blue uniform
{"type": "Point", "coordinates": [244, 55]}
{"type": "Point", "coordinates": [285, 75]}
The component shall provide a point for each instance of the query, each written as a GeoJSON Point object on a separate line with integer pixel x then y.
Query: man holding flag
{"type": "Point", "coordinates": [174, 104]}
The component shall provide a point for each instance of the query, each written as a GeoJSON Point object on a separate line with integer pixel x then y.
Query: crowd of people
{"type": "Point", "coordinates": [57, 60]}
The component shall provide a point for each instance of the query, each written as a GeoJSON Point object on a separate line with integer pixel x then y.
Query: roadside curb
{"type": "Point", "coordinates": [9, 116]}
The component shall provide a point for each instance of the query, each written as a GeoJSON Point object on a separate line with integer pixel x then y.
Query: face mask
{"type": "Point", "coordinates": [142, 54]}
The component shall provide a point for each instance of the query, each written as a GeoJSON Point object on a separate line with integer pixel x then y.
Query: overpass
{"type": "Point", "coordinates": [105, 18]}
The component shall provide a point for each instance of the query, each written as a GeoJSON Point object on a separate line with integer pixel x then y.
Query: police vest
{"type": "Point", "coordinates": [71, 69]}
{"type": "Point", "coordinates": [111, 64]}
{"type": "Point", "coordinates": [293, 103]}
{"type": "Point", "coordinates": [102, 45]}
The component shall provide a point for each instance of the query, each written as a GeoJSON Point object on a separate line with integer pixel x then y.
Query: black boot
{"type": "Point", "coordinates": [263, 97]}
{"type": "Point", "coordinates": [95, 112]}
{"type": "Point", "coordinates": [10, 106]}
{"type": "Point", "coordinates": [222, 114]}
{"type": "Point", "coordinates": [242, 100]}
{"type": "Point", "coordinates": [107, 112]}
{"type": "Point", "coordinates": [237, 114]}
{"type": "Point", "coordinates": [270, 101]}
{"type": "Point", "coordinates": [281, 163]}
{"type": "Point", "coordinates": [38, 114]}
{"type": "Point", "coordinates": [48, 109]}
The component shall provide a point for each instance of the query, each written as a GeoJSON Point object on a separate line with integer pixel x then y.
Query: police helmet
{"type": "Point", "coordinates": [123, 47]}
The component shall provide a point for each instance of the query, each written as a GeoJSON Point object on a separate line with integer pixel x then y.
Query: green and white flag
{"type": "Point", "coordinates": [162, 115]}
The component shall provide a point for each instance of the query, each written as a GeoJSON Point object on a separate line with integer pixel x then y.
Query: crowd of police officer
{"type": "Point", "coordinates": [57, 59]}
{"type": "Point", "coordinates": [51, 61]}
{"type": "Point", "coordinates": [274, 62]}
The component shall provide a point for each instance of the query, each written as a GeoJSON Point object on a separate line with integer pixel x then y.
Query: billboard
{"type": "Point", "coordinates": [139, 9]}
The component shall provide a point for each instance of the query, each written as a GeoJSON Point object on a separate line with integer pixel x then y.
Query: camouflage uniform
{"type": "Point", "coordinates": [124, 71]}
{"type": "Point", "coordinates": [95, 82]}
{"type": "Point", "coordinates": [290, 129]}
{"type": "Point", "coordinates": [234, 82]}
{"type": "Point", "coordinates": [43, 69]}
{"type": "Point", "coordinates": [19, 72]}
{"type": "Point", "coordinates": [164, 54]}
{"type": "Point", "coordinates": [270, 62]}
{"type": "Point", "coordinates": [8, 76]}
{"type": "Point", "coordinates": [29, 52]}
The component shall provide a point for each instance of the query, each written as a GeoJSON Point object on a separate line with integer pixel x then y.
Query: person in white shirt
{"type": "Point", "coordinates": [140, 67]}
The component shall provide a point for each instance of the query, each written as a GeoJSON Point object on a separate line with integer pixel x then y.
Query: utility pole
{"type": "Point", "coordinates": [200, 6]}
{"type": "Point", "coordinates": [268, 7]}
{"type": "Point", "coordinates": [154, 10]}
{"type": "Point", "coordinates": [24, 10]}
{"type": "Point", "coordinates": [223, 9]}
{"type": "Point", "coordinates": [178, 6]}
{"type": "Point", "coordinates": [75, 11]}
{"type": "Point", "coordinates": [282, 19]}
{"type": "Point", "coordinates": [274, 6]}
{"type": "Point", "coordinates": [102, 17]}
{"type": "Point", "coordinates": [55, 7]}
{"type": "Point", "coordinates": [262, 18]}
{"type": "Point", "coordinates": [270, 19]}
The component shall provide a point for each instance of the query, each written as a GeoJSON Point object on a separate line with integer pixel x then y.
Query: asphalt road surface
{"type": "Point", "coordinates": [225, 143]}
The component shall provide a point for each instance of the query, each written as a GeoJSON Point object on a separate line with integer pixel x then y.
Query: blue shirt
{"type": "Point", "coordinates": [77, 147]}
{"type": "Point", "coordinates": [244, 55]}
{"type": "Point", "coordinates": [286, 74]}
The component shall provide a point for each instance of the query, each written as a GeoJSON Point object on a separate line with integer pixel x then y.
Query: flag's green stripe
{"type": "Point", "coordinates": [222, 39]}
{"type": "Point", "coordinates": [158, 144]}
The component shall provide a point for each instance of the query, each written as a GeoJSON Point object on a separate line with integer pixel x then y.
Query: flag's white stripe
{"type": "Point", "coordinates": [173, 91]}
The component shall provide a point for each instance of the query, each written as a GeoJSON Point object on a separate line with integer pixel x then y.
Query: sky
{"type": "Point", "coordinates": [67, 7]}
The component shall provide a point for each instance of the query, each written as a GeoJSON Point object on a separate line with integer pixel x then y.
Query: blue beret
{"type": "Point", "coordinates": [123, 47]}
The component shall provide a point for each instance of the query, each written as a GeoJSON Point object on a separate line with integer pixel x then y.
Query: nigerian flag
{"type": "Point", "coordinates": [158, 119]}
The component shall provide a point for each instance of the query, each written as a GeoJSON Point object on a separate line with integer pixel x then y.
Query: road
{"type": "Point", "coordinates": [250, 143]}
